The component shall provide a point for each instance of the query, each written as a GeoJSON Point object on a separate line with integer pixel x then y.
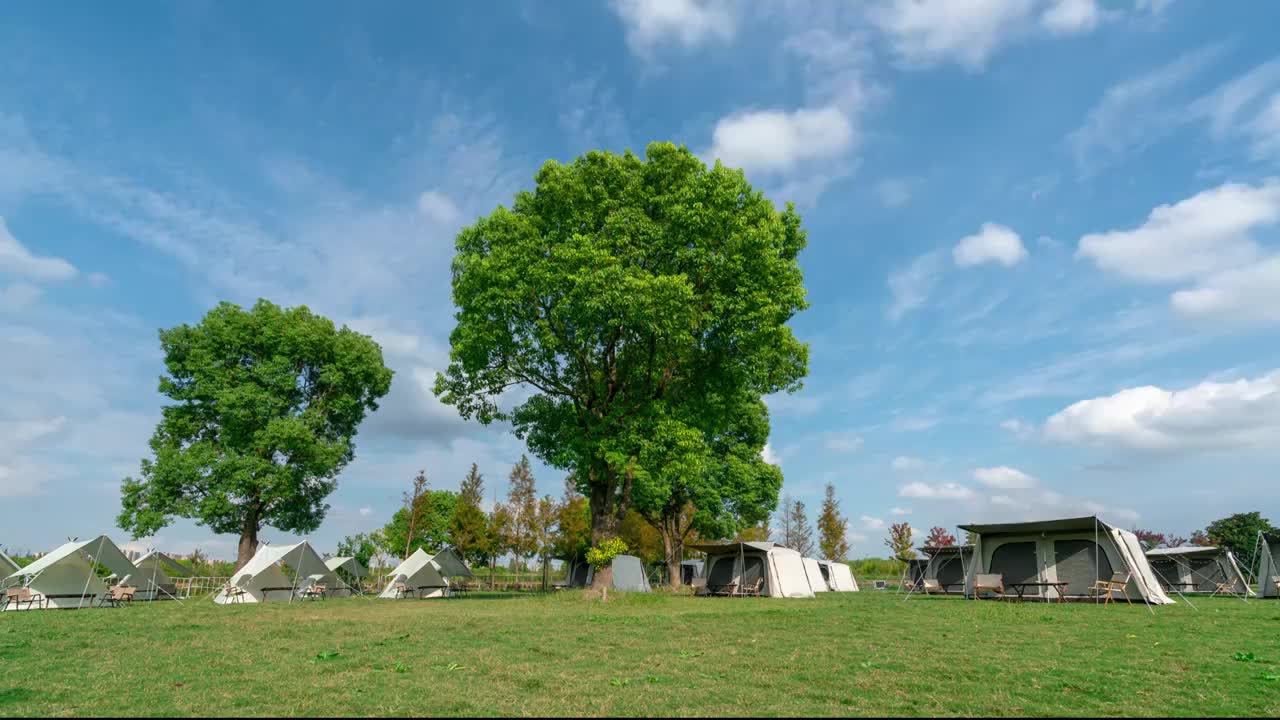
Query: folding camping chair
{"type": "Point", "coordinates": [753, 589]}
{"type": "Point", "coordinates": [403, 591]}
{"type": "Point", "coordinates": [234, 593]}
{"type": "Point", "coordinates": [931, 586]}
{"type": "Point", "coordinates": [117, 595]}
{"type": "Point", "coordinates": [315, 592]}
{"type": "Point", "coordinates": [988, 583]}
{"type": "Point", "coordinates": [17, 596]}
{"type": "Point", "coordinates": [1119, 582]}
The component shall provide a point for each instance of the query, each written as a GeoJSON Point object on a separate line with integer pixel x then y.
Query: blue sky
{"type": "Point", "coordinates": [1044, 253]}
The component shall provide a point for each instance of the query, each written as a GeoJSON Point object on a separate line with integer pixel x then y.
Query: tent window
{"type": "Point", "coordinates": [826, 573]}
{"type": "Point", "coordinates": [580, 571]}
{"type": "Point", "coordinates": [950, 572]}
{"type": "Point", "coordinates": [1017, 563]}
{"type": "Point", "coordinates": [721, 572]}
{"type": "Point", "coordinates": [1167, 572]}
{"type": "Point", "coordinates": [686, 574]}
{"type": "Point", "coordinates": [1206, 574]}
{"type": "Point", "coordinates": [1075, 564]}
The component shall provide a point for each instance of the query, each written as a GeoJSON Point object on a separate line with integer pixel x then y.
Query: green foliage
{"type": "Point", "coordinates": [265, 407]}
{"type": "Point", "coordinates": [431, 529]}
{"type": "Point", "coordinates": [899, 541]}
{"type": "Point", "coordinates": [573, 525]}
{"type": "Point", "coordinates": [876, 568]}
{"type": "Point", "coordinates": [641, 538]}
{"type": "Point", "coordinates": [520, 536]}
{"type": "Point", "coordinates": [470, 529]}
{"type": "Point", "coordinates": [362, 546]}
{"type": "Point", "coordinates": [644, 302]}
{"type": "Point", "coordinates": [832, 528]}
{"type": "Point", "coordinates": [600, 556]}
{"type": "Point", "coordinates": [1239, 534]}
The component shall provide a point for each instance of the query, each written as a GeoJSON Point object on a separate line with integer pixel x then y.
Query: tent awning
{"type": "Point", "coordinates": [721, 548]}
{"type": "Point", "coordinates": [1062, 525]}
{"type": "Point", "coordinates": [1186, 550]}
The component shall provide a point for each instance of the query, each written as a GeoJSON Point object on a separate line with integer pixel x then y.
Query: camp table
{"type": "Point", "coordinates": [1021, 588]}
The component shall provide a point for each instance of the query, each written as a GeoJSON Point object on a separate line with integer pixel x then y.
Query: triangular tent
{"type": "Point", "coordinates": [1197, 569]}
{"type": "Point", "coordinates": [1075, 551]}
{"type": "Point", "coordinates": [264, 579]}
{"type": "Point", "coordinates": [349, 569]}
{"type": "Point", "coordinates": [743, 564]}
{"type": "Point", "coordinates": [425, 576]}
{"type": "Point", "coordinates": [154, 578]}
{"type": "Point", "coordinates": [1268, 565]}
{"type": "Point", "coordinates": [66, 577]}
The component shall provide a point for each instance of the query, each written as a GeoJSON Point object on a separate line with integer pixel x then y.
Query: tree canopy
{"type": "Point", "coordinates": [431, 528]}
{"type": "Point", "coordinates": [621, 293]}
{"type": "Point", "coordinates": [266, 404]}
{"type": "Point", "coordinates": [1239, 534]}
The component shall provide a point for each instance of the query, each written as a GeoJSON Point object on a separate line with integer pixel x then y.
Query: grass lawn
{"type": "Point", "coordinates": [852, 654]}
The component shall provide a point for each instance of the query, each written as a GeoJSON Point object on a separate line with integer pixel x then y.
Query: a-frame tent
{"type": "Point", "coordinates": [1076, 551]}
{"type": "Point", "coordinates": [348, 569]}
{"type": "Point", "coordinates": [154, 577]}
{"type": "Point", "coordinates": [741, 564]}
{"type": "Point", "coordinates": [263, 578]}
{"type": "Point", "coordinates": [1198, 569]}
{"type": "Point", "coordinates": [67, 578]}
{"type": "Point", "coordinates": [425, 576]}
{"type": "Point", "coordinates": [1268, 565]}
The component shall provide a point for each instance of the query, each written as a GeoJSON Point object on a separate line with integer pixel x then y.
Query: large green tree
{"type": "Point", "coordinates": [833, 528]}
{"type": "Point", "coordinates": [428, 525]}
{"type": "Point", "coordinates": [265, 407]}
{"type": "Point", "coordinates": [1239, 534]}
{"type": "Point", "coordinates": [617, 292]}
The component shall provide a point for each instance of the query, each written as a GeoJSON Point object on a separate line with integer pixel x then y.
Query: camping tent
{"type": "Point", "coordinates": [817, 575]}
{"type": "Point", "coordinates": [690, 569]}
{"type": "Point", "coordinates": [1195, 569]}
{"type": "Point", "coordinates": [628, 574]}
{"type": "Point", "coordinates": [7, 568]}
{"type": "Point", "coordinates": [1268, 565]}
{"type": "Point", "coordinates": [347, 568]}
{"type": "Point", "coordinates": [947, 565]}
{"type": "Point", "coordinates": [742, 563]}
{"type": "Point", "coordinates": [1075, 551]}
{"type": "Point", "coordinates": [263, 578]}
{"type": "Point", "coordinates": [431, 573]}
{"type": "Point", "coordinates": [154, 576]}
{"type": "Point", "coordinates": [838, 576]}
{"type": "Point", "coordinates": [66, 576]}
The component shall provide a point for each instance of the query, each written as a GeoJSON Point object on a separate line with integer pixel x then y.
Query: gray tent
{"type": "Point", "coordinates": [690, 569]}
{"type": "Point", "coordinates": [1196, 569]}
{"type": "Point", "coordinates": [1268, 565]}
{"type": "Point", "coordinates": [628, 574]}
{"type": "Point", "coordinates": [1075, 551]}
{"type": "Point", "coordinates": [947, 565]}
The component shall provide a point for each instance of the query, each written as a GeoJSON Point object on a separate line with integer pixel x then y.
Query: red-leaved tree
{"type": "Point", "coordinates": [939, 538]}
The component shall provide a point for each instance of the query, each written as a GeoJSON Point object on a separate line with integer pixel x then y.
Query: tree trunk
{"type": "Point", "coordinates": [604, 525]}
{"type": "Point", "coordinates": [672, 545]}
{"type": "Point", "coordinates": [248, 540]}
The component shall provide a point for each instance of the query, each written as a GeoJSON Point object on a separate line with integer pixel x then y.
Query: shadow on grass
{"type": "Point", "coordinates": [13, 696]}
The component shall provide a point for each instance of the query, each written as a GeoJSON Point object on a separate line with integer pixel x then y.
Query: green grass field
{"type": "Point", "coordinates": [855, 654]}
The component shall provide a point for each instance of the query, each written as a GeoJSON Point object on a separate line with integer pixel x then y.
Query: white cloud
{"type": "Point", "coordinates": [769, 456]}
{"type": "Point", "coordinates": [914, 423]}
{"type": "Point", "coordinates": [900, 511]}
{"type": "Point", "coordinates": [1205, 233]}
{"type": "Point", "coordinates": [18, 296]}
{"type": "Point", "coordinates": [1004, 478]}
{"type": "Point", "coordinates": [1209, 416]}
{"type": "Point", "coordinates": [16, 259]}
{"type": "Point", "coordinates": [1154, 7]}
{"type": "Point", "coordinates": [842, 441]}
{"type": "Point", "coordinates": [778, 141]}
{"type": "Point", "coordinates": [941, 491]}
{"type": "Point", "coordinates": [893, 193]}
{"type": "Point", "coordinates": [1018, 428]}
{"type": "Point", "coordinates": [650, 23]}
{"type": "Point", "coordinates": [784, 403]}
{"type": "Point", "coordinates": [927, 32]}
{"type": "Point", "coordinates": [912, 285]}
{"type": "Point", "coordinates": [1265, 130]}
{"type": "Point", "coordinates": [906, 463]}
{"type": "Point", "coordinates": [98, 280]}
{"type": "Point", "coordinates": [872, 523]}
{"type": "Point", "coordinates": [993, 243]}
{"type": "Point", "coordinates": [1242, 296]}
{"type": "Point", "coordinates": [1229, 107]}
{"type": "Point", "coordinates": [1065, 17]}
{"type": "Point", "coordinates": [438, 208]}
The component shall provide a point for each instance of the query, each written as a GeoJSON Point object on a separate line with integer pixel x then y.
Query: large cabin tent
{"type": "Point", "coordinates": [1077, 551]}
{"type": "Point", "coordinates": [628, 574]}
{"type": "Point", "coordinates": [742, 563]}
{"type": "Point", "coordinates": [1268, 565]}
{"type": "Point", "coordinates": [817, 575]}
{"type": "Point", "coordinates": [348, 569]}
{"type": "Point", "coordinates": [1195, 569]}
{"type": "Point", "coordinates": [264, 577]}
{"type": "Point", "coordinates": [946, 565]}
{"type": "Point", "coordinates": [66, 577]}
{"type": "Point", "coordinates": [838, 575]}
{"type": "Point", "coordinates": [431, 573]}
{"type": "Point", "coordinates": [154, 577]}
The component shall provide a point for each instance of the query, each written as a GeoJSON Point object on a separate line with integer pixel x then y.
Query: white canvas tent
{"type": "Point", "coordinates": [1197, 569]}
{"type": "Point", "coordinates": [153, 578]}
{"type": "Point", "coordinates": [741, 563]}
{"type": "Point", "coordinates": [426, 576]}
{"type": "Point", "coordinates": [814, 570]}
{"type": "Point", "coordinates": [1268, 565]}
{"type": "Point", "coordinates": [1075, 551]}
{"type": "Point", "coordinates": [838, 576]}
{"type": "Point", "coordinates": [347, 568]}
{"type": "Point", "coordinates": [263, 578]}
{"type": "Point", "coordinates": [7, 568]}
{"type": "Point", "coordinates": [66, 576]}
{"type": "Point", "coordinates": [628, 574]}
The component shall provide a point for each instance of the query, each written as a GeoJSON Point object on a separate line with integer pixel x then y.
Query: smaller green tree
{"type": "Point", "coordinates": [544, 533]}
{"type": "Point", "coordinates": [832, 528]}
{"type": "Point", "coordinates": [433, 511]}
{"type": "Point", "coordinates": [900, 542]}
{"type": "Point", "coordinates": [1239, 534]}
{"type": "Point", "coordinates": [522, 507]}
{"type": "Point", "coordinates": [470, 528]}
{"type": "Point", "coordinates": [362, 546]}
{"type": "Point", "coordinates": [802, 532]}
{"type": "Point", "coordinates": [573, 524]}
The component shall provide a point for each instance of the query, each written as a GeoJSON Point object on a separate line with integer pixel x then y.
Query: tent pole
{"type": "Point", "coordinates": [92, 562]}
{"type": "Point", "coordinates": [1166, 580]}
{"type": "Point", "coordinates": [1096, 559]}
{"type": "Point", "coordinates": [154, 567]}
{"type": "Point", "coordinates": [1257, 559]}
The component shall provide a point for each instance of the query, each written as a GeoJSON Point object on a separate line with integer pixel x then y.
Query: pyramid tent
{"type": "Point", "coordinates": [839, 576]}
{"type": "Point", "coordinates": [1075, 551]}
{"type": "Point", "coordinates": [154, 579]}
{"type": "Point", "coordinates": [66, 576]}
{"type": "Point", "coordinates": [628, 574]}
{"type": "Point", "coordinates": [817, 574]}
{"type": "Point", "coordinates": [1198, 569]}
{"type": "Point", "coordinates": [1268, 565]}
{"type": "Point", "coordinates": [426, 576]}
{"type": "Point", "coordinates": [742, 563]}
{"type": "Point", "coordinates": [263, 578]}
{"type": "Point", "coordinates": [347, 568]}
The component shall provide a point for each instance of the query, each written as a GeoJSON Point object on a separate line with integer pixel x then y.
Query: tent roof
{"type": "Point", "coordinates": [721, 548]}
{"type": "Point", "coordinates": [349, 564]}
{"type": "Point", "coordinates": [1062, 525]}
{"type": "Point", "coordinates": [947, 550]}
{"type": "Point", "coordinates": [300, 556]}
{"type": "Point", "coordinates": [167, 564]}
{"type": "Point", "coordinates": [1186, 550]}
{"type": "Point", "coordinates": [101, 549]}
{"type": "Point", "coordinates": [7, 565]}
